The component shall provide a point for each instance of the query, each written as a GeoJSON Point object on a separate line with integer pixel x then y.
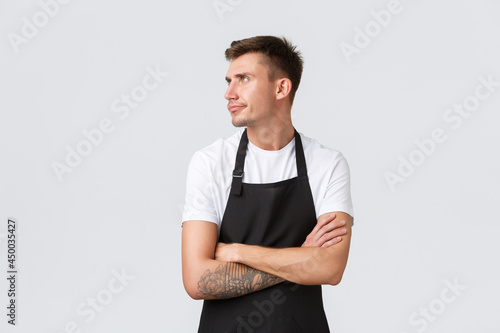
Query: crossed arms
{"type": "Point", "coordinates": [212, 270]}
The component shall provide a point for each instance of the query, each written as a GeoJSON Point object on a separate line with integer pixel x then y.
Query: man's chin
{"type": "Point", "coordinates": [238, 122]}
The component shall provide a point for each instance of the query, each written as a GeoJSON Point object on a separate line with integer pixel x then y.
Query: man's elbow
{"type": "Point", "coordinates": [335, 272]}
{"type": "Point", "coordinates": [328, 274]}
{"type": "Point", "coordinates": [336, 263]}
{"type": "Point", "coordinates": [335, 278]}
{"type": "Point", "coordinates": [193, 294]}
{"type": "Point", "coordinates": [191, 288]}
{"type": "Point", "coordinates": [325, 276]}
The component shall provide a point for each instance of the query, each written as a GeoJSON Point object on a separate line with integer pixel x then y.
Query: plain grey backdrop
{"type": "Point", "coordinates": [407, 90]}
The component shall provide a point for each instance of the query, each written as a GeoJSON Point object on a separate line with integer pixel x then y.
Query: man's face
{"type": "Point", "coordinates": [250, 94]}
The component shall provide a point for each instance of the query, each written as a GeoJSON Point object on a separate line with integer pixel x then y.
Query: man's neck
{"type": "Point", "coordinates": [273, 137]}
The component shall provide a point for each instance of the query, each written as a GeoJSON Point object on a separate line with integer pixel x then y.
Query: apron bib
{"type": "Point", "coordinates": [274, 215]}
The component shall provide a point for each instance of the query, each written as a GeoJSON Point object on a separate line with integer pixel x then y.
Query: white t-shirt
{"type": "Point", "coordinates": [210, 173]}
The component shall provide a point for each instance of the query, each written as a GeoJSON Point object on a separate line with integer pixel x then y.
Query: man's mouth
{"type": "Point", "coordinates": [235, 107]}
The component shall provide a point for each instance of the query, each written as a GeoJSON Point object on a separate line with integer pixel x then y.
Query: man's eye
{"type": "Point", "coordinates": [245, 79]}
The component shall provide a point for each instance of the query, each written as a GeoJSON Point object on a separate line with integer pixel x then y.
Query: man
{"type": "Point", "coordinates": [268, 212]}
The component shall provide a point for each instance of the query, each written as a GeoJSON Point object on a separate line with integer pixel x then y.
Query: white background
{"type": "Point", "coordinates": [120, 208]}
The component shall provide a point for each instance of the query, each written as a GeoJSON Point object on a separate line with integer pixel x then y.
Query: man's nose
{"type": "Point", "coordinates": [231, 92]}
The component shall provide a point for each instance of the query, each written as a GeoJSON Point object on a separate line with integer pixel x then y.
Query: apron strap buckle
{"type": "Point", "coordinates": [237, 180]}
{"type": "Point", "coordinates": [238, 173]}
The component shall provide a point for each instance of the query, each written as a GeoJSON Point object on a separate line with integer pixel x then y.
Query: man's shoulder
{"type": "Point", "coordinates": [318, 151]}
{"type": "Point", "coordinates": [220, 148]}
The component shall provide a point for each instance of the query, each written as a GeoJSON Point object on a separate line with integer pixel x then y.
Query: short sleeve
{"type": "Point", "coordinates": [338, 193]}
{"type": "Point", "coordinates": [199, 200]}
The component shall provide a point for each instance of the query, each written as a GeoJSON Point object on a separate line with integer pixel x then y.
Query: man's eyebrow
{"type": "Point", "coordinates": [240, 75]}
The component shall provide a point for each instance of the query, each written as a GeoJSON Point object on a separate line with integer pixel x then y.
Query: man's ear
{"type": "Point", "coordinates": [283, 88]}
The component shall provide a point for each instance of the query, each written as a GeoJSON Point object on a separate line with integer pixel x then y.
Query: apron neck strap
{"type": "Point", "coordinates": [242, 152]}
{"type": "Point", "coordinates": [240, 163]}
{"type": "Point", "coordinates": [299, 157]}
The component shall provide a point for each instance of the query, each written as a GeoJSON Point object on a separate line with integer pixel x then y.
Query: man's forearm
{"type": "Point", "coordinates": [205, 277]}
{"type": "Point", "coordinates": [308, 265]}
{"type": "Point", "coordinates": [304, 265]}
{"type": "Point", "coordinates": [230, 280]}
{"type": "Point", "coordinates": [217, 276]}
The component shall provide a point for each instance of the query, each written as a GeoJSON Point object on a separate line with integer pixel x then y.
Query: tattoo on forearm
{"type": "Point", "coordinates": [233, 279]}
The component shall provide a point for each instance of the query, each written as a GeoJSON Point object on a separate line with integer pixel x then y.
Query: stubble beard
{"type": "Point", "coordinates": [243, 122]}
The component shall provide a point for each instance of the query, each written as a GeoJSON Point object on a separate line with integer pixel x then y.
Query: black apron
{"type": "Point", "coordinates": [274, 215]}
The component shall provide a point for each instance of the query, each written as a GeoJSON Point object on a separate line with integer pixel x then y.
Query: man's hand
{"type": "Point", "coordinates": [326, 233]}
{"type": "Point", "coordinates": [226, 252]}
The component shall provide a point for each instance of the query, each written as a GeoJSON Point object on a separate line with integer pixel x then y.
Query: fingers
{"type": "Point", "coordinates": [330, 231]}
{"type": "Point", "coordinates": [322, 221]}
{"type": "Point", "coordinates": [331, 236]}
{"type": "Point", "coordinates": [332, 242]}
{"type": "Point", "coordinates": [325, 219]}
{"type": "Point", "coordinates": [330, 227]}
{"type": "Point", "coordinates": [326, 232]}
